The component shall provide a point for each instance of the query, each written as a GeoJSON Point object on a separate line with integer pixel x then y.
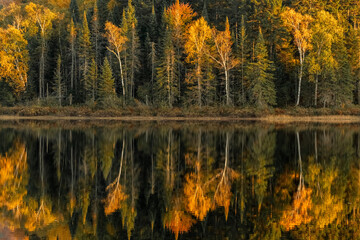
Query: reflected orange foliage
{"type": "Point", "coordinates": [177, 220]}
{"type": "Point", "coordinates": [197, 202]}
{"type": "Point", "coordinates": [115, 198]}
{"type": "Point", "coordinates": [299, 213]}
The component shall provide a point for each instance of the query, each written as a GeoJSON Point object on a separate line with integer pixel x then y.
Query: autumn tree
{"type": "Point", "coordinates": [43, 18]}
{"type": "Point", "coordinates": [117, 39]}
{"type": "Point", "coordinates": [177, 17]}
{"type": "Point", "coordinates": [14, 58]}
{"type": "Point", "coordinates": [325, 32]}
{"type": "Point", "coordinates": [299, 25]}
{"type": "Point", "coordinates": [260, 73]}
{"type": "Point", "coordinates": [222, 55]}
{"type": "Point", "coordinates": [199, 34]}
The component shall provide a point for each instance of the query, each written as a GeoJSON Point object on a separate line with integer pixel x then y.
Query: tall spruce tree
{"type": "Point", "coordinates": [59, 84]}
{"type": "Point", "coordinates": [166, 73]}
{"type": "Point", "coordinates": [91, 80]}
{"type": "Point", "coordinates": [261, 78]}
{"type": "Point", "coordinates": [84, 47]}
{"type": "Point", "coordinates": [106, 85]}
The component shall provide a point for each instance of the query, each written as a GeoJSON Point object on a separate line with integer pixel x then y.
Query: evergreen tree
{"type": "Point", "coordinates": [85, 47]}
{"type": "Point", "coordinates": [260, 74]}
{"type": "Point", "coordinates": [166, 73]}
{"type": "Point", "coordinates": [91, 81]}
{"type": "Point", "coordinates": [132, 62]}
{"type": "Point", "coordinates": [74, 11]}
{"type": "Point", "coordinates": [242, 39]}
{"type": "Point", "coordinates": [106, 85]}
{"type": "Point", "coordinates": [59, 85]}
{"type": "Point", "coordinates": [95, 33]}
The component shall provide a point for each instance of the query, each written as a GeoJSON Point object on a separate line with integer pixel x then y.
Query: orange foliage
{"type": "Point", "coordinates": [197, 202]}
{"type": "Point", "coordinates": [299, 213]}
{"type": "Point", "coordinates": [116, 38]}
{"type": "Point", "coordinates": [179, 16]}
{"type": "Point", "coordinates": [13, 58]}
{"type": "Point", "coordinates": [115, 198]}
{"type": "Point", "coordinates": [177, 220]}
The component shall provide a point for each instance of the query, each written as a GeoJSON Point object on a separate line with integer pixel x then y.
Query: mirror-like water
{"type": "Point", "coordinates": [179, 181]}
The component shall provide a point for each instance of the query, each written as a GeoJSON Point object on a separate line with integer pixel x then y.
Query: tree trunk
{"type": "Point", "coordinates": [42, 68]}
{"type": "Point", "coordinates": [122, 77]}
{"type": "Point", "coordinates": [227, 87]}
{"type": "Point", "coordinates": [299, 87]}
{"type": "Point", "coordinates": [316, 89]}
{"type": "Point", "coordinates": [199, 83]}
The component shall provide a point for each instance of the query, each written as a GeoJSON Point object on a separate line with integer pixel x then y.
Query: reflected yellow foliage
{"type": "Point", "coordinates": [177, 220]}
{"type": "Point", "coordinates": [299, 212]}
{"type": "Point", "coordinates": [38, 216]}
{"type": "Point", "coordinates": [115, 198]}
{"type": "Point", "coordinates": [13, 178]}
{"type": "Point", "coordinates": [223, 194]}
{"type": "Point", "coordinates": [197, 201]}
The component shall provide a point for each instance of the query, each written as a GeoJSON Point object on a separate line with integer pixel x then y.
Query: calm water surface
{"type": "Point", "coordinates": [77, 180]}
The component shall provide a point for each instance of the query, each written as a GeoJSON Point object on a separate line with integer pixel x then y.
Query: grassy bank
{"type": "Point", "coordinates": [206, 113]}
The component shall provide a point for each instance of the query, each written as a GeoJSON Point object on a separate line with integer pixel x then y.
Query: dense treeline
{"type": "Point", "coordinates": [179, 53]}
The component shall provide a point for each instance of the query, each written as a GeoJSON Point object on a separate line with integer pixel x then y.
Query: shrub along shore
{"type": "Point", "coordinates": [140, 113]}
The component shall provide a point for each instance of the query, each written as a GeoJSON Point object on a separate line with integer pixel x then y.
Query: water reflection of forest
{"type": "Point", "coordinates": [190, 181]}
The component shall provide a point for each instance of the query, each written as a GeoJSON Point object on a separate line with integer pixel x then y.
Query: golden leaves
{"type": "Point", "coordinates": [42, 16]}
{"type": "Point", "coordinates": [300, 27]}
{"type": "Point", "coordinates": [299, 213]}
{"type": "Point", "coordinates": [177, 220]}
{"type": "Point", "coordinates": [13, 58]}
{"type": "Point", "coordinates": [197, 201]}
{"type": "Point", "coordinates": [115, 197]}
{"type": "Point", "coordinates": [116, 38]}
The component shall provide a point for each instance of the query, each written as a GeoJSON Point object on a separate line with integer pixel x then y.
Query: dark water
{"type": "Point", "coordinates": [179, 181]}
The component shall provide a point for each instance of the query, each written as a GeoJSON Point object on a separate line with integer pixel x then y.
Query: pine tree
{"type": "Point", "coordinates": [166, 73]}
{"type": "Point", "coordinates": [132, 46]}
{"type": "Point", "coordinates": [242, 39]}
{"type": "Point", "coordinates": [72, 40]}
{"type": "Point", "coordinates": [59, 85]}
{"type": "Point", "coordinates": [91, 81]}
{"type": "Point", "coordinates": [95, 33]}
{"type": "Point", "coordinates": [85, 47]}
{"type": "Point", "coordinates": [106, 85]}
{"type": "Point", "coordinates": [74, 11]}
{"type": "Point", "coordinates": [262, 87]}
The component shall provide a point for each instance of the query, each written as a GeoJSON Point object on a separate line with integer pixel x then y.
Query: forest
{"type": "Point", "coordinates": [158, 53]}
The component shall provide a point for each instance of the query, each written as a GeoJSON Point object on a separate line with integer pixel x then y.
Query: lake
{"type": "Point", "coordinates": [179, 180]}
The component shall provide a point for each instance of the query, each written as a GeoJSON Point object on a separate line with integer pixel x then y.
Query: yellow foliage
{"type": "Point", "coordinates": [179, 15]}
{"type": "Point", "coordinates": [197, 201]}
{"type": "Point", "coordinates": [115, 198]}
{"type": "Point", "coordinates": [177, 220]}
{"type": "Point", "coordinates": [299, 213]}
{"type": "Point", "coordinates": [42, 17]}
{"type": "Point", "coordinates": [13, 58]}
{"type": "Point", "coordinates": [116, 38]}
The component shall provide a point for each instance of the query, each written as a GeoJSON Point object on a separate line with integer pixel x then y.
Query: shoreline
{"type": "Point", "coordinates": [280, 119]}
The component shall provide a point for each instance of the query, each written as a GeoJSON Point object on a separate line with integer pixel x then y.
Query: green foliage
{"type": "Point", "coordinates": [260, 76]}
{"type": "Point", "coordinates": [106, 84]}
{"type": "Point", "coordinates": [91, 82]}
{"type": "Point", "coordinates": [59, 85]}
